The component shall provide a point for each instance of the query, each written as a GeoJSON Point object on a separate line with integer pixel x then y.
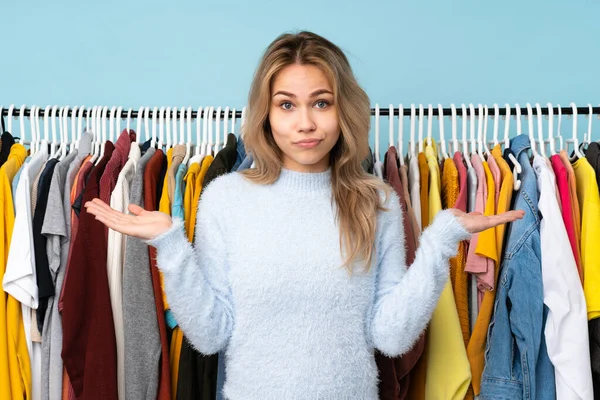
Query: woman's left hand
{"type": "Point", "coordinates": [475, 222]}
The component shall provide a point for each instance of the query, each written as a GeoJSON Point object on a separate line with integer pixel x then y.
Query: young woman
{"type": "Point", "coordinates": [298, 269]}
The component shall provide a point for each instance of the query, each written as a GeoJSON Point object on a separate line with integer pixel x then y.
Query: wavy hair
{"type": "Point", "coordinates": [356, 194]}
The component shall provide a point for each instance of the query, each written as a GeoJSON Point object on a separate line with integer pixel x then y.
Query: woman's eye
{"type": "Point", "coordinates": [285, 105]}
{"type": "Point", "coordinates": [322, 103]}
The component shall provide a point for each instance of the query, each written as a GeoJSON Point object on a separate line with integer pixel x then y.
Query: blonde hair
{"type": "Point", "coordinates": [355, 192]}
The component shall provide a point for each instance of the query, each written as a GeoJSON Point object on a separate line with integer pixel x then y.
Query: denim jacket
{"type": "Point", "coordinates": [516, 360]}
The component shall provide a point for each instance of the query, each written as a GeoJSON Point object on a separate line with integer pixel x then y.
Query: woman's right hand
{"type": "Point", "coordinates": [142, 224]}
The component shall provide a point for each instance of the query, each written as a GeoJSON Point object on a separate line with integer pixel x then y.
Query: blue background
{"type": "Point", "coordinates": [196, 53]}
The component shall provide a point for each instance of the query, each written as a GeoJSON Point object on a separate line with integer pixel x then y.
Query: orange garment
{"type": "Point", "coordinates": [477, 343]}
{"type": "Point", "coordinates": [574, 201]}
{"type": "Point", "coordinates": [198, 189]}
{"type": "Point", "coordinates": [424, 193]}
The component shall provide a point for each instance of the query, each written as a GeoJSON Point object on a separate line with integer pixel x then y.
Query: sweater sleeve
{"type": "Point", "coordinates": [404, 298]}
{"type": "Point", "coordinates": [195, 278]}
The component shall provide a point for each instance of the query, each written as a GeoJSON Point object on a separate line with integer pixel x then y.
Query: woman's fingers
{"type": "Point", "coordinates": [474, 222]}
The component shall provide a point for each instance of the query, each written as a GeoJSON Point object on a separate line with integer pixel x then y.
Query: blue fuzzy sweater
{"type": "Point", "coordinates": [264, 281]}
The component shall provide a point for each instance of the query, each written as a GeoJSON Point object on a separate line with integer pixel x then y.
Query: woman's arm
{"type": "Point", "coordinates": [195, 278]}
{"type": "Point", "coordinates": [405, 299]}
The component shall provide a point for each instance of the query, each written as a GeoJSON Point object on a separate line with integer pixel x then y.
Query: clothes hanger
{"type": "Point", "coordinates": [589, 131]}
{"type": "Point", "coordinates": [161, 129]}
{"type": "Point", "coordinates": [550, 129]}
{"type": "Point", "coordinates": [429, 124]}
{"type": "Point", "coordinates": [197, 156]}
{"type": "Point", "coordinates": [140, 117]}
{"type": "Point", "coordinates": [209, 145]}
{"type": "Point", "coordinates": [54, 139]}
{"type": "Point", "coordinates": [118, 118]}
{"type": "Point", "coordinates": [217, 131]}
{"type": "Point", "coordinates": [172, 113]}
{"type": "Point", "coordinates": [517, 169]}
{"type": "Point", "coordinates": [473, 142]}
{"type": "Point", "coordinates": [538, 111]}
{"type": "Point", "coordinates": [442, 137]}
{"type": "Point", "coordinates": [146, 112]}
{"type": "Point", "coordinates": [530, 124]}
{"type": "Point", "coordinates": [1, 119]}
{"type": "Point", "coordinates": [464, 137]}
{"type": "Point", "coordinates": [455, 147]}
{"type": "Point", "coordinates": [79, 126]}
{"type": "Point", "coordinates": [35, 123]}
{"type": "Point", "coordinates": [188, 144]}
{"type": "Point", "coordinates": [154, 115]}
{"type": "Point", "coordinates": [103, 140]}
{"type": "Point", "coordinates": [167, 129]}
{"type": "Point", "coordinates": [11, 108]}
{"type": "Point", "coordinates": [412, 153]}
{"type": "Point", "coordinates": [21, 139]}
{"type": "Point", "coordinates": [128, 125]}
{"type": "Point", "coordinates": [96, 134]}
{"type": "Point", "coordinates": [32, 126]}
{"type": "Point", "coordinates": [421, 118]}
{"type": "Point", "coordinates": [225, 125]}
{"type": "Point", "coordinates": [233, 117]}
{"type": "Point", "coordinates": [496, 122]}
{"type": "Point", "coordinates": [242, 132]}
{"type": "Point", "coordinates": [64, 145]}
{"type": "Point", "coordinates": [486, 149]}
{"type": "Point", "coordinates": [559, 135]}
{"type": "Point", "coordinates": [112, 124]}
{"type": "Point", "coordinates": [74, 120]}
{"type": "Point", "coordinates": [480, 132]}
{"type": "Point", "coordinates": [401, 134]}
{"type": "Point", "coordinates": [377, 158]}
{"type": "Point", "coordinates": [45, 141]}
{"type": "Point", "coordinates": [390, 125]}
{"type": "Point", "coordinates": [574, 139]}
{"type": "Point", "coordinates": [178, 128]}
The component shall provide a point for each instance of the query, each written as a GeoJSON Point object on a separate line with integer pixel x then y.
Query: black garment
{"type": "Point", "coordinates": [367, 163]}
{"type": "Point", "coordinates": [197, 374]}
{"type": "Point", "coordinates": [146, 145]}
{"type": "Point", "coordinates": [593, 156]}
{"type": "Point", "coordinates": [223, 162]}
{"type": "Point", "coordinates": [7, 142]}
{"type": "Point", "coordinates": [44, 278]}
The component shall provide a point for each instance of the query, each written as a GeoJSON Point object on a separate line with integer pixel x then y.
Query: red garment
{"type": "Point", "coordinates": [394, 373]}
{"type": "Point", "coordinates": [89, 345]}
{"type": "Point", "coordinates": [461, 202]}
{"type": "Point", "coordinates": [151, 177]}
{"type": "Point", "coordinates": [567, 208]}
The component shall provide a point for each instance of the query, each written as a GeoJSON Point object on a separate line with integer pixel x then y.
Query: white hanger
{"type": "Point", "coordinates": [103, 141]}
{"type": "Point", "coordinates": [401, 133]}
{"type": "Point", "coordinates": [146, 112]}
{"type": "Point", "coordinates": [22, 124]}
{"type": "Point", "coordinates": [10, 117]}
{"type": "Point", "coordinates": [128, 125]}
{"type": "Point", "coordinates": [225, 125]}
{"type": "Point", "coordinates": [233, 117]}
{"type": "Point", "coordinates": [496, 122]}
{"type": "Point", "coordinates": [464, 137]}
{"type": "Point", "coordinates": [95, 133]}
{"type": "Point", "coordinates": [455, 147]}
{"type": "Point", "coordinates": [473, 142]}
{"type": "Point", "coordinates": [161, 129]}
{"type": "Point", "coordinates": [46, 140]}
{"type": "Point", "coordinates": [197, 156]}
{"type": "Point", "coordinates": [550, 129]}
{"type": "Point", "coordinates": [154, 115]}
{"type": "Point", "coordinates": [209, 145]}
{"type": "Point", "coordinates": [242, 132]}
{"type": "Point", "coordinates": [412, 153]}
{"type": "Point", "coordinates": [517, 169]}
{"type": "Point", "coordinates": [119, 117]}
{"type": "Point", "coordinates": [390, 125]}
{"type": "Point", "coordinates": [480, 132]}
{"type": "Point", "coordinates": [178, 125]}
{"type": "Point", "coordinates": [140, 117]}
{"type": "Point", "coordinates": [64, 135]}
{"type": "Point", "coordinates": [167, 123]}
{"type": "Point", "coordinates": [377, 158]}
{"type": "Point", "coordinates": [589, 131]}
{"type": "Point", "coordinates": [429, 124]}
{"type": "Point", "coordinates": [574, 139]}
{"type": "Point", "coordinates": [442, 137]}
{"type": "Point", "coordinates": [530, 123]}
{"type": "Point", "coordinates": [421, 118]}
{"type": "Point", "coordinates": [188, 145]}
{"type": "Point", "coordinates": [538, 110]}
{"type": "Point", "coordinates": [74, 120]}
{"type": "Point", "coordinates": [1, 109]}
{"type": "Point", "coordinates": [485, 125]}
{"type": "Point", "coordinates": [32, 126]}
{"type": "Point", "coordinates": [54, 139]}
{"type": "Point", "coordinates": [111, 124]}
{"type": "Point", "coordinates": [182, 126]}
{"type": "Point", "coordinates": [218, 131]}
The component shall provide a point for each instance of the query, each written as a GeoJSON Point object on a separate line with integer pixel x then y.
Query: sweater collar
{"type": "Point", "coordinates": [304, 181]}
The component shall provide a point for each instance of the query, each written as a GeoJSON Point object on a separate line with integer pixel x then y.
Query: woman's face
{"type": "Point", "coordinates": [303, 117]}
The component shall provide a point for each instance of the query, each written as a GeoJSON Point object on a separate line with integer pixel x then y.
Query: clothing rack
{"type": "Point", "coordinates": [383, 111]}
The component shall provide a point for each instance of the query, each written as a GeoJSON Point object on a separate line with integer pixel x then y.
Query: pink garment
{"type": "Point", "coordinates": [461, 201]}
{"type": "Point", "coordinates": [476, 264]}
{"type": "Point", "coordinates": [497, 175]}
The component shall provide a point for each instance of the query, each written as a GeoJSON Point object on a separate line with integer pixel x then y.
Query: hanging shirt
{"type": "Point", "coordinates": [142, 355]}
{"type": "Point", "coordinates": [477, 342]}
{"type": "Point", "coordinates": [414, 182]}
{"type": "Point", "coordinates": [589, 204]}
{"type": "Point", "coordinates": [15, 365]}
{"type": "Point", "coordinates": [566, 326]}
{"type": "Point", "coordinates": [89, 347]}
{"type": "Point", "coordinates": [177, 157]}
{"type": "Point", "coordinates": [562, 182]}
{"type": "Point", "coordinates": [188, 199]}
{"type": "Point", "coordinates": [448, 371]}
{"type": "Point", "coordinates": [574, 200]}
{"type": "Point", "coordinates": [424, 189]}
{"type": "Point", "coordinates": [119, 200]}
{"type": "Point", "coordinates": [151, 182]}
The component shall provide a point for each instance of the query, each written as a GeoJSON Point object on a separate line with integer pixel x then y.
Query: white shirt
{"type": "Point", "coordinates": [20, 279]}
{"type": "Point", "coordinates": [414, 188]}
{"type": "Point", "coordinates": [566, 329]}
{"type": "Point", "coordinates": [119, 200]}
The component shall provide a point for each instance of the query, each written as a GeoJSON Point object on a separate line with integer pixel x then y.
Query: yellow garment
{"type": "Point", "coordinates": [174, 356]}
{"type": "Point", "coordinates": [164, 205]}
{"type": "Point", "coordinates": [15, 367]}
{"type": "Point", "coordinates": [477, 343]}
{"type": "Point", "coordinates": [198, 189]}
{"type": "Point", "coordinates": [189, 206]}
{"type": "Point", "coordinates": [589, 204]}
{"type": "Point", "coordinates": [448, 369]}
{"type": "Point", "coordinates": [486, 245]}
